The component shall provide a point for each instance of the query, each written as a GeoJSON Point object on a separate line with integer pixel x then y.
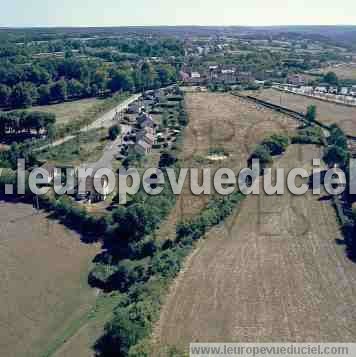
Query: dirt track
{"type": "Point", "coordinates": [273, 273]}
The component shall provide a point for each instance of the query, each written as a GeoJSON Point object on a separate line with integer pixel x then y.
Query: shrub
{"type": "Point", "coordinates": [276, 144]}
{"type": "Point", "coordinates": [167, 159]}
{"type": "Point", "coordinates": [166, 263]}
{"type": "Point", "coordinates": [311, 113]}
{"type": "Point", "coordinates": [335, 155]}
{"type": "Point", "coordinates": [100, 275]}
{"type": "Point", "coordinates": [337, 137]}
{"type": "Point", "coordinates": [262, 154]}
{"type": "Point", "coordinates": [308, 135]}
{"type": "Point", "coordinates": [129, 272]}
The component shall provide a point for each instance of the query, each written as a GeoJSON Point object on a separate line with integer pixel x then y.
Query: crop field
{"type": "Point", "coordinates": [328, 113]}
{"type": "Point", "coordinates": [272, 273]}
{"type": "Point", "coordinates": [225, 123]}
{"type": "Point", "coordinates": [69, 111]}
{"type": "Point", "coordinates": [43, 285]}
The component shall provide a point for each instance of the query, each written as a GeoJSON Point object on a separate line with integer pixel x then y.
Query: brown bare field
{"type": "Point", "coordinates": [327, 112]}
{"type": "Point", "coordinates": [343, 72]}
{"type": "Point", "coordinates": [273, 273]}
{"type": "Point", "coordinates": [43, 285]}
{"type": "Point", "coordinates": [226, 122]}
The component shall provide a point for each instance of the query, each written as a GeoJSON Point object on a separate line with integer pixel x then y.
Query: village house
{"type": "Point", "coordinates": [145, 120]}
{"type": "Point", "coordinates": [147, 134]}
{"type": "Point", "coordinates": [344, 90]}
{"type": "Point", "coordinates": [142, 147]}
{"type": "Point", "coordinates": [196, 78]}
{"type": "Point", "coordinates": [228, 76]}
{"type": "Point", "coordinates": [321, 89]}
{"type": "Point", "coordinates": [184, 76]}
{"type": "Point", "coordinates": [93, 189]}
{"type": "Point", "coordinates": [296, 79]}
{"type": "Point", "coordinates": [244, 77]}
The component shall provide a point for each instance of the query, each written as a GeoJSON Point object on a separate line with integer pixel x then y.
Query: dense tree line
{"type": "Point", "coordinates": [50, 81]}
{"type": "Point", "coordinates": [22, 122]}
{"type": "Point", "coordinates": [145, 282]}
{"type": "Point", "coordinates": [8, 158]}
{"type": "Point", "coordinates": [47, 81]}
{"type": "Point", "coordinates": [141, 47]}
{"type": "Point", "coordinates": [26, 78]}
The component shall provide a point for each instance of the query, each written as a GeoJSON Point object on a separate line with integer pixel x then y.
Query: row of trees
{"type": "Point", "coordinates": [30, 123]}
{"type": "Point", "coordinates": [25, 94]}
{"type": "Point", "coordinates": [145, 77]}
{"type": "Point", "coordinates": [44, 71]}
{"type": "Point", "coordinates": [145, 282]}
{"type": "Point", "coordinates": [77, 83]}
{"type": "Point", "coordinates": [336, 152]}
{"type": "Point", "coordinates": [141, 47]}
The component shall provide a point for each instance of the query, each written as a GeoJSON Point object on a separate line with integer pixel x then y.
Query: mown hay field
{"type": "Point", "coordinates": [272, 273]}
{"type": "Point", "coordinates": [328, 113]}
{"type": "Point", "coordinates": [223, 122]}
{"type": "Point", "coordinates": [43, 285]}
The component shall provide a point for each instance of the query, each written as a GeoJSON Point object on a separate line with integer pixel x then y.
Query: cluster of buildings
{"type": "Point", "coordinates": [91, 189]}
{"type": "Point", "coordinates": [344, 95]}
{"type": "Point", "coordinates": [144, 135]}
{"type": "Point", "coordinates": [216, 74]}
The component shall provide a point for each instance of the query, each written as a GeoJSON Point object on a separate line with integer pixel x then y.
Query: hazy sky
{"type": "Point", "coordinates": [178, 12]}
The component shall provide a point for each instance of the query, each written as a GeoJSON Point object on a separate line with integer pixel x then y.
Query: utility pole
{"type": "Point", "coordinates": [36, 203]}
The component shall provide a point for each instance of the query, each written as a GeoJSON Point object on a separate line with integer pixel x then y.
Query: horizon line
{"type": "Point", "coordinates": [166, 26]}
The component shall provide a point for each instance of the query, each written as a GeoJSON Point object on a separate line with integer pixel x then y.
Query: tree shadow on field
{"type": "Point", "coordinates": [325, 198]}
{"type": "Point", "coordinates": [342, 207]}
{"type": "Point", "coordinates": [316, 180]}
{"type": "Point", "coordinates": [88, 231]}
{"type": "Point", "coordinates": [349, 241]}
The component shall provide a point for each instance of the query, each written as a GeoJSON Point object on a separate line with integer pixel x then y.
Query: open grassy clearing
{"type": "Point", "coordinates": [69, 111]}
{"type": "Point", "coordinates": [220, 122]}
{"type": "Point", "coordinates": [328, 113]}
{"type": "Point", "coordinates": [80, 342]}
{"type": "Point", "coordinates": [273, 273]}
{"type": "Point", "coordinates": [87, 146]}
{"type": "Point", "coordinates": [43, 286]}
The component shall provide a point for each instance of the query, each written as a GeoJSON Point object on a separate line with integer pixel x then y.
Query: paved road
{"type": "Point", "coordinates": [105, 121]}
{"type": "Point", "coordinates": [111, 149]}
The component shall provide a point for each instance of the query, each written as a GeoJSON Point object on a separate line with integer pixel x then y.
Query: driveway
{"type": "Point", "coordinates": [111, 149]}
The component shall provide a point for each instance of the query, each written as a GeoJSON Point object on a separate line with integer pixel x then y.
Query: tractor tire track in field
{"type": "Point", "coordinates": [272, 273]}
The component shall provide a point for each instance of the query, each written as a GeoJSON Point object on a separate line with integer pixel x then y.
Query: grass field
{"type": "Point", "coordinates": [87, 146]}
{"type": "Point", "coordinates": [327, 112]}
{"type": "Point", "coordinates": [273, 273]}
{"type": "Point", "coordinates": [69, 111]}
{"type": "Point", "coordinates": [223, 122]}
{"type": "Point", "coordinates": [43, 285]}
